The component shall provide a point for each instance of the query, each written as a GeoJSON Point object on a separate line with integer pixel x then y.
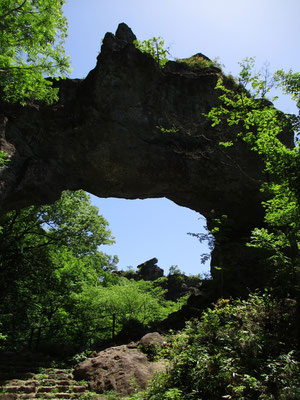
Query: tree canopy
{"type": "Point", "coordinates": [46, 253]}
{"type": "Point", "coordinates": [32, 34]}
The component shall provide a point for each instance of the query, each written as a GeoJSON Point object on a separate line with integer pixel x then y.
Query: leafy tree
{"type": "Point", "coordinates": [154, 47]}
{"type": "Point", "coordinates": [260, 125]}
{"type": "Point", "coordinates": [46, 254]}
{"type": "Point", "coordinates": [130, 301]}
{"type": "Point", "coordinates": [32, 34]}
{"type": "Point", "coordinates": [290, 83]}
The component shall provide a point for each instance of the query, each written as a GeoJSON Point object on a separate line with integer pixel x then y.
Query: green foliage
{"type": "Point", "coordinates": [129, 300]}
{"type": "Point", "coordinates": [174, 270]}
{"type": "Point", "coordinates": [90, 396]}
{"type": "Point", "coordinates": [4, 159]}
{"type": "Point", "coordinates": [241, 350]}
{"type": "Point", "coordinates": [260, 125]}
{"type": "Point", "coordinates": [54, 278]}
{"type": "Point", "coordinates": [154, 47]}
{"type": "Point", "coordinates": [289, 82]}
{"type": "Point", "coordinates": [199, 62]}
{"type": "Point", "coordinates": [47, 254]}
{"type": "Point", "coordinates": [32, 34]}
{"type": "Point", "coordinates": [213, 236]}
{"type": "Point", "coordinates": [2, 339]}
{"type": "Point", "coordinates": [167, 131]}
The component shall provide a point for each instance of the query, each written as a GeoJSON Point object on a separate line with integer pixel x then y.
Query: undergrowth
{"type": "Point", "coordinates": [239, 350]}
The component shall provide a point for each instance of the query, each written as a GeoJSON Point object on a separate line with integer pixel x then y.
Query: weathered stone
{"type": "Point", "coordinates": [105, 136]}
{"type": "Point", "coordinates": [125, 33]}
{"type": "Point", "coordinates": [118, 368]}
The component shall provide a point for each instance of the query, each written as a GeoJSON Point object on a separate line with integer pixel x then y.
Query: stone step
{"type": "Point", "coordinates": [61, 389]}
{"type": "Point", "coordinates": [51, 382]}
{"type": "Point", "coordinates": [14, 382]}
{"type": "Point", "coordinates": [55, 375]}
{"type": "Point", "coordinates": [20, 389]}
{"type": "Point", "coordinates": [5, 396]}
{"type": "Point", "coordinates": [49, 396]}
{"type": "Point", "coordinates": [45, 395]}
{"type": "Point", "coordinates": [11, 386]}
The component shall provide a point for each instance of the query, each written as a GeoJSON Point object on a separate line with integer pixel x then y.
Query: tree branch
{"type": "Point", "coordinates": [14, 10]}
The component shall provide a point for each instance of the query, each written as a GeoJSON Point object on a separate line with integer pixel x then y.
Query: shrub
{"type": "Point", "coordinates": [199, 62]}
{"type": "Point", "coordinates": [154, 47]}
{"type": "Point", "coordinates": [241, 350]}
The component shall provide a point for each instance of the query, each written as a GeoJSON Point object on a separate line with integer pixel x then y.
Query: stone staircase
{"type": "Point", "coordinates": [30, 377]}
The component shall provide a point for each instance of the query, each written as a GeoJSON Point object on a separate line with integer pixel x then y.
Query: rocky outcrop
{"type": "Point", "coordinates": [109, 135]}
{"type": "Point", "coordinates": [149, 271]}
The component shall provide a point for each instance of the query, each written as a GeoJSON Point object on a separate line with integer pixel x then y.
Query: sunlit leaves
{"type": "Point", "coordinates": [32, 34]}
{"type": "Point", "coordinates": [154, 47]}
{"type": "Point", "coordinates": [4, 159]}
{"type": "Point", "coordinates": [290, 84]}
{"type": "Point", "coordinates": [46, 254]}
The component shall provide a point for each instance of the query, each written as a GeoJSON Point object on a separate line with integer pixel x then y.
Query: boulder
{"type": "Point", "coordinates": [151, 340]}
{"type": "Point", "coordinates": [122, 368]}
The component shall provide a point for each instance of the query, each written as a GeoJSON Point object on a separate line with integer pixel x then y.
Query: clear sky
{"type": "Point", "coordinates": [228, 29]}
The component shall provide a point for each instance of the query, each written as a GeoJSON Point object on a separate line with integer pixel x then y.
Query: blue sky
{"type": "Point", "coordinates": [230, 30]}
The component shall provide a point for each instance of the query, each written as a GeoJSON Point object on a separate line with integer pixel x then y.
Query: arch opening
{"type": "Point", "coordinates": [144, 229]}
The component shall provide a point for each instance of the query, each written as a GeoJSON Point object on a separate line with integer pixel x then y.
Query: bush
{"type": "Point", "coordinates": [199, 62]}
{"type": "Point", "coordinates": [154, 47]}
{"type": "Point", "coordinates": [239, 350]}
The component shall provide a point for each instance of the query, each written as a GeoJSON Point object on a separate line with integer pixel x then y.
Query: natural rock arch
{"type": "Point", "coordinates": [103, 136]}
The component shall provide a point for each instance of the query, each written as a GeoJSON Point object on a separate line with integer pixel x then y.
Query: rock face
{"type": "Point", "coordinates": [122, 368]}
{"type": "Point", "coordinates": [107, 135]}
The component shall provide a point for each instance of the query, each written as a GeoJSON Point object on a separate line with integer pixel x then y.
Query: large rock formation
{"type": "Point", "coordinates": [105, 136]}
